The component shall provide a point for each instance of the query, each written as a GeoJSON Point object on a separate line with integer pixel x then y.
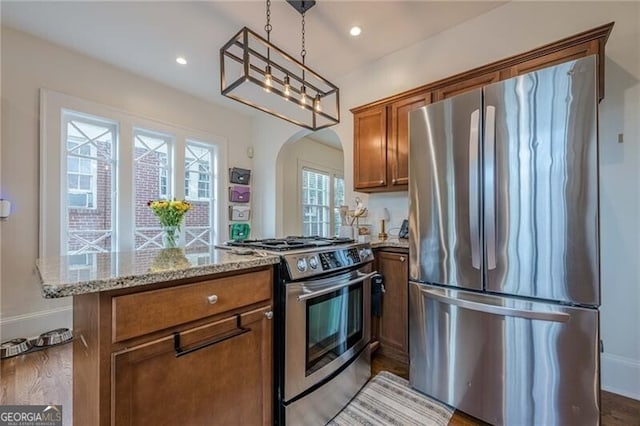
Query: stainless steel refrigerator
{"type": "Point", "coordinates": [504, 263]}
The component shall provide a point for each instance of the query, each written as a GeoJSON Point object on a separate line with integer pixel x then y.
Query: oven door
{"type": "Point", "coordinates": [328, 322]}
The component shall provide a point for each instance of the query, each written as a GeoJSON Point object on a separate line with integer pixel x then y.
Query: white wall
{"type": "Point", "coordinates": [293, 156]}
{"type": "Point", "coordinates": [29, 64]}
{"type": "Point", "coordinates": [505, 31]}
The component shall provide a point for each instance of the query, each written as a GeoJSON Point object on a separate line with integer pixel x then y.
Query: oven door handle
{"type": "Point", "coordinates": [361, 277]}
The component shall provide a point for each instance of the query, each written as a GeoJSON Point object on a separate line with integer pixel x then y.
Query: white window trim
{"type": "Point", "coordinates": [51, 218]}
{"type": "Point", "coordinates": [302, 164]}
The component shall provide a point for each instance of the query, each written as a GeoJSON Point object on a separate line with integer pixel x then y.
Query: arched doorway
{"type": "Point", "coordinates": [309, 183]}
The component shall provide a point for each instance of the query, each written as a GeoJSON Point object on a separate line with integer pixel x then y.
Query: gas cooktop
{"type": "Point", "coordinates": [290, 243]}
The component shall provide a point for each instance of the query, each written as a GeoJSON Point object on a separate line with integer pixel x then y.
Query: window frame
{"type": "Point", "coordinates": [333, 174]}
{"type": "Point", "coordinates": [52, 216]}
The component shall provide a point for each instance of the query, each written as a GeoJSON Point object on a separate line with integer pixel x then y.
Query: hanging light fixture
{"type": "Point", "coordinates": [257, 73]}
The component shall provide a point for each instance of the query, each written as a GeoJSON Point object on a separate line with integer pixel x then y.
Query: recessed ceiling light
{"type": "Point", "coordinates": [355, 31]}
{"type": "Point", "coordinates": [181, 60]}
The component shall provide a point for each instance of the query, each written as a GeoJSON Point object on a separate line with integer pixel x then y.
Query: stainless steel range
{"type": "Point", "coordinates": [322, 325]}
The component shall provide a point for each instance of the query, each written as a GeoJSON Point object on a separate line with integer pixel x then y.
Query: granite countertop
{"type": "Point", "coordinates": [390, 243]}
{"type": "Point", "coordinates": [95, 272]}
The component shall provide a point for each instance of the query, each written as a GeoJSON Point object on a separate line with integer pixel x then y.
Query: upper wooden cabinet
{"type": "Point", "coordinates": [381, 128]}
{"type": "Point", "coordinates": [467, 84]}
{"type": "Point", "coordinates": [381, 144]}
{"type": "Point", "coordinates": [370, 150]}
{"type": "Point", "coordinates": [398, 139]}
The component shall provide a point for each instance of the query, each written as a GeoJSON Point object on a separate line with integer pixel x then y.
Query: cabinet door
{"type": "Point", "coordinates": [564, 55]}
{"type": "Point", "coordinates": [593, 47]}
{"type": "Point", "coordinates": [398, 141]}
{"type": "Point", "coordinates": [222, 384]}
{"type": "Point", "coordinates": [370, 148]}
{"type": "Point", "coordinates": [469, 84]}
{"type": "Point", "coordinates": [393, 329]}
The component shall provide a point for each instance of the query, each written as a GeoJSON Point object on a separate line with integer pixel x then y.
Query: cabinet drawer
{"type": "Point", "coordinates": [142, 313]}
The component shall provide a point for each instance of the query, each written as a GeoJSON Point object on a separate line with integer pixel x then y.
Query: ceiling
{"type": "Point", "coordinates": [146, 37]}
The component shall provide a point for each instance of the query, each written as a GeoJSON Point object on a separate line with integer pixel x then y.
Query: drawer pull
{"type": "Point", "coordinates": [402, 258]}
{"type": "Point", "coordinates": [181, 351]}
{"type": "Point", "coordinates": [268, 314]}
{"type": "Point", "coordinates": [212, 299]}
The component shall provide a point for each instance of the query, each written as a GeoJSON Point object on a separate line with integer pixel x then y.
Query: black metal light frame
{"type": "Point", "coordinates": [252, 61]}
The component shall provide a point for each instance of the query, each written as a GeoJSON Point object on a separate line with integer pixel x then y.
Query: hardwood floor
{"type": "Point", "coordinates": [616, 410]}
{"type": "Point", "coordinates": [39, 378]}
{"type": "Point", "coordinates": [44, 377]}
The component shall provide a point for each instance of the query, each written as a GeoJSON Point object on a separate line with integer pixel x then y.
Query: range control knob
{"type": "Point", "coordinates": [302, 264]}
{"type": "Point", "coordinates": [313, 262]}
{"type": "Point", "coordinates": [365, 253]}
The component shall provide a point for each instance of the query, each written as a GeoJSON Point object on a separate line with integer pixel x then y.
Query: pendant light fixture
{"type": "Point", "coordinates": [257, 73]}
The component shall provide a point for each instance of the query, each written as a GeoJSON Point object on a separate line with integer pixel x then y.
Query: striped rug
{"type": "Point", "coordinates": [389, 400]}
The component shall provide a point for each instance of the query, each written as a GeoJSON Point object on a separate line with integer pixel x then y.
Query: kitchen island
{"type": "Point", "coordinates": [168, 336]}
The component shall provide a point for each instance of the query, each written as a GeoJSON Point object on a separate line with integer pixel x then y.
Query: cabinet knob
{"type": "Point", "coordinates": [268, 314]}
{"type": "Point", "coordinates": [402, 258]}
{"type": "Point", "coordinates": [212, 299]}
{"type": "Point", "coordinates": [382, 182]}
{"type": "Point", "coordinates": [394, 181]}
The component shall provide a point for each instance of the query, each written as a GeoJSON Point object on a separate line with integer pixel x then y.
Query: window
{"type": "Point", "coordinates": [197, 171]}
{"type": "Point", "coordinates": [89, 160]}
{"type": "Point", "coordinates": [151, 158]}
{"type": "Point", "coordinates": [322, 195]}
{"type": "Point", "coordinates": [81, 174]}
{"type": "Point", "coordinates": [338, 200]}
{"type": "Point", "coordinates": [199, 159]}
{"type": "Point", "coordinates": [100, 167]}
{"type": "Point", "coordinates": [204, 176]}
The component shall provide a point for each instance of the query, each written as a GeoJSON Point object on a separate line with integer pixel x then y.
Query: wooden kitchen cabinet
{"type": "Point", "coordinates": [370, 148]}
{"type": "Point", "coordinates": [392, 327]}
{"type": "Point", "coordinates": [466, 84]}
{"type": "Point", "coordinates": [194, 351]}
{"type": "Point", "coordinates": [221, 384]}
{"type": "Point", "coordinates": [398, 139]}
{"type": "Point", "coordinates": [381, 153]}
{"type": "Point", "coordinates": [381, 144]}
{"type": "Point", "coordinates": [581, 50]}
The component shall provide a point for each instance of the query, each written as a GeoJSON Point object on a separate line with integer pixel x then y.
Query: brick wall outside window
{"type": "Point", "coordinates": [147, 184]}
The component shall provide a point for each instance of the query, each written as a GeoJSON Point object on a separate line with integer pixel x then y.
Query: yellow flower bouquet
{"type": "Point", "coordinates": [170, 214]}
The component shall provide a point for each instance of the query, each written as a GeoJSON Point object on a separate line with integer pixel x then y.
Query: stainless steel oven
{"type": "Point", "coordinates": [328, 323]}
{"type": "Point", "coordinates": [322, 328]}
{"type": "Point", "coordinates": [322, 325]}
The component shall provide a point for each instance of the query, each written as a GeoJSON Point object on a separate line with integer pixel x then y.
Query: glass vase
{"type": "Point", "coordinates": [170, 236]}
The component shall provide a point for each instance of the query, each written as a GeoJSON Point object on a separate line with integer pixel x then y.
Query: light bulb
{"type": "Point", "coordinates": [303, 97]}
{"type": "Point", "coordinates": [287, 87]}
{"type": "Point", "coordinates": [268, 83]}
{"type": "Point", "coordinates": [316, 103]}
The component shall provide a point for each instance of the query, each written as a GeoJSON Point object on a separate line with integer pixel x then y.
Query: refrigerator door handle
{"type": "Point", "coordinates": [490, 185]}
{"type": "Point", "coordinates": [474, 201]}
{"type": "Point", "coordinates": [495, 309]}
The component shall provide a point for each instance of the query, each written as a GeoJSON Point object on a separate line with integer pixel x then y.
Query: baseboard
{"type": "Point", "coordinates": [620, 375]}
{"type": "Point", "coordinates": [33, 324]}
